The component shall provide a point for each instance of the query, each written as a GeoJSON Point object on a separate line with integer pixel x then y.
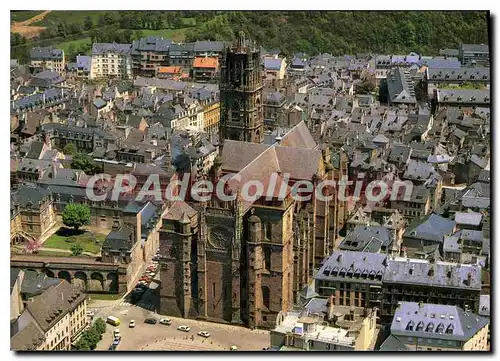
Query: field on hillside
{"type": "Point", "coordinates": [72, 16]}
{"type": "Point", "coordinates": [75, 44]}
{"type": "Point", "coordinates": [16, 16]}
{"type": "Point", "coordinates": [173, 34]}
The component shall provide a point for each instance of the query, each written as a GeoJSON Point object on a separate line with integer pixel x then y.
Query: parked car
{"type": "Point", "coordinates": [166, 321]}
{"type": "Point", "coordinates": [204, 334]}
{"type": "Point", "coordinates": [116, 342]}
{"type": "Point", "coordinates": [90, 313]}
{"type": "Point", "coordinates": [116, 334]}
{"type": "Point", "coordinates": [112, 347]}
{"type": "Point", "coordinates": [184, 328]}
{"type": "Point", "coordinates": [151, 321]}
{"type": "Point", "coordinates": [233, 348]}
{"type": "Point", "coordinates": [131, 324]}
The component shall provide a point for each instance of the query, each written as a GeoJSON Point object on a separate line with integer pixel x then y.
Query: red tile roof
{"type": "Point", "coordinates": [205, 63]}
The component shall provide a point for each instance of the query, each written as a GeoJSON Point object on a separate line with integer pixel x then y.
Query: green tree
{"type": "Point", "coordinates": [138, 35]}
{"type": "Point", "coordinates": [76, 249]}
{"type": "Point", "coordinates": [100, 325]}
{"type": "Point", "coordinates": [62, 29]}
{"type": "Point", "coordinates": [128, 36]}
{"type": "Point", "coordinates": [76, 215]}
{"type": "Point", "coordinates": [82, 344]}
{"type": "Point", "coordinates": [88, 23]}
{"type": "Point", "coordinates": [176, 22]}
{"type": "Point", "coordinates": [110, 18]}
{"type": "Point", "coordinates": [92, 336]}
{"type": "Point", "coordinates": [83, 162]}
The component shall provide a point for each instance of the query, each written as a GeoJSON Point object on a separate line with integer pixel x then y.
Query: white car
{"type": "Point", "coordinates": [116, 334]}
{"type": "Point", "coordinates": [184, 328]}
{"type": "Point", "coordinates": [204, 334]}
{"type": "Point", "coordinates": [131, 324]}
{"type": "Point", "coordinates": [90, 313]}
{"type": "Point", "coordinates": [166, 321]}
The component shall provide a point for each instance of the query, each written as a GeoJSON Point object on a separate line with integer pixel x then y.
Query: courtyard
{"type": "Point", "coordinates": [64, 238]}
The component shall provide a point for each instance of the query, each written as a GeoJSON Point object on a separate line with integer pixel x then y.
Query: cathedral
{"type": "Point", "coordinates": [243, 262]}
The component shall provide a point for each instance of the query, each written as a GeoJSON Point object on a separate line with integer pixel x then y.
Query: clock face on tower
{"type": "Point", "coordinates": [219, 238]}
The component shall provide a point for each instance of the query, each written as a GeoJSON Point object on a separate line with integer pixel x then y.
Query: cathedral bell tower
{"type": "Point", "coordinates": [242, 116]}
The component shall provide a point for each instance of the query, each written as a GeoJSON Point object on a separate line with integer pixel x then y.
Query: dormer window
{"type": "Point", "coordinates": [409, 326]}
{"type": "Point", "coordinates": [440, 328]}
{"type": "Point", "coordinates": [420, 326]}
{"type": "Point", "coordinates": [449, 329]}
{"type": "Point", "coordinates": [430, 327]}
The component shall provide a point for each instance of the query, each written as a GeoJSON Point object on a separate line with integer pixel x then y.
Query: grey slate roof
{"type": "Point", "coordinates": [466, 96]}
{"type": "Point", "coordinates": [461, 75]}
{"type": "Point", "coordinates": [393, 343]}
{"type": "Point", "coordinates": [121, 239]}
{"type": "Point", "coordinates": [47, 53]}
{"type": "Point", "coordinates": [436, 322]}
{"type": "Point", "coordinates": [151, 43]}
{"type": "Point", "coordinates": [103, 48]}
{"type": "Point", "coordinates": [432, 227]}
{"type": "Point", "coordinates": [444, 274]}
{"type": "Point", "coordinates": [362, 265]}
{"type": "Point", "coordinates": [211, 46]}
{"type": "Point", "coordinates": [29, 195]}
{"type": "Point", "coordinates": [400, 87]}
{"type": "Point", "coordinates": [84, 62]}
{"type": "Point", "coordinates": [367, 239]}
{"type": "Point", "coordinates": [468, 218]}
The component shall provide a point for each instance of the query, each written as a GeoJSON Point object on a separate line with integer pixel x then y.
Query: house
{"type": "Point", "coordinates": [148, 54]}
{"type": "Point", "coordinates": [462, 98]}
{"type": "Point", "coordinates": [83, 66]}
{"type": "Point", "coordinates": [428, 230]}
{"type": "Point", "coordinates": [48, 58]}
{"type": "Point", "coordinates": [436, 327]}
{"type": "Point", "coordinates": [274, 68]}
{"type": "Point", "coordinates": [205, 69]}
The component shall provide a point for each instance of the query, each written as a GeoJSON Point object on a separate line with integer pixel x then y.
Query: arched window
{"type": "Point", "coordinates": [420, 326]}
{"type": "Point", "coordinates": [440, 328]}
{"type": "Point", "coordinates": [266, 297]}
{"type": "Point", "coordinates": [409, 326]}
{"type": "Point", "coordinates": [430, 327]}
{"type": "Point", "coordinates": [449, 329]}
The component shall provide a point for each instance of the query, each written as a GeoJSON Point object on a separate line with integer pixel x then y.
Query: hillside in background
{"type": "Point", "coordinates": [311, 32]}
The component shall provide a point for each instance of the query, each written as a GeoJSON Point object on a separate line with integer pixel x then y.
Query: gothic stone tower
{"type": "Point", "coordinates": [242, 115]}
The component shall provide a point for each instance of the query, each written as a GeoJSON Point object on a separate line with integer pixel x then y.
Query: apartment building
{"type": "Point", "coordinates": [148, 54]}
{"type": "Point", "coordinates": [205, 68]}
{"type": "Point", "coordinates": [111, 61]}
{"type": "Point", "coordinates": [436, 327]}
{"type": "Point", "coordinates": [48, 58]}
{"type": "Point", "coordinates": [52, 320]}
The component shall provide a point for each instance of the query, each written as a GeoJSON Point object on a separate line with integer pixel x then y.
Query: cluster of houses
{"type": "Point", "coordinates": [416, 264]}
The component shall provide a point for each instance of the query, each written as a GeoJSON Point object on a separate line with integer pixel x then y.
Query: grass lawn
{"type": "Point", "coordinates": [71, 16]}
{"type": "Point", "coordinates": [16, 16]}
{"type": "Point", "coordinates": [64, 239]}
{"type": "Point", "coordinates": [104, 296]}
{"type": "Point", "coordinates": [172, 34]}
{"type": "Point", "coordinates": [76, 44]}
{"type": "Point", "coordinates": [50, 253]}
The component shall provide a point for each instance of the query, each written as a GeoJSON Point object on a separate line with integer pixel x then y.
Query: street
{"type": "Point", "coordinates": [161, 337]}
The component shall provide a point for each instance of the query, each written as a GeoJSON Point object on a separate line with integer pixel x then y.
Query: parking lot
{"type": "Point", "coordinates": [161, 337]}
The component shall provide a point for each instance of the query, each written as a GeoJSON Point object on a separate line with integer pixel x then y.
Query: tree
{"type": "Point", "coordinates": [82, 344]}
{"type": "Point", "coordinates": [88, 23]}
{"type": "Point", "coordinates": [75, 28]}
{"type": "Point", "coordinates": [177, 22]}
{"type": "Point", "coordinates": [138, 35]}
{"type": "Point", "coordinates": [62, 29]}
{"type": "Point", "coordinates": [76, 249]}
{"type": "Point", "coordinates": [110, 18]}
{"type": "Point", "coordinates": [83, 162]}
{"type": "Point", "coordinates": [128, 36]}
{"type": "Point", "coordinates": [76, 215]}
{"type": "Point", "coordinates": [100, 325]}
{"type": "Point", "coordinates": [92, 336]}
